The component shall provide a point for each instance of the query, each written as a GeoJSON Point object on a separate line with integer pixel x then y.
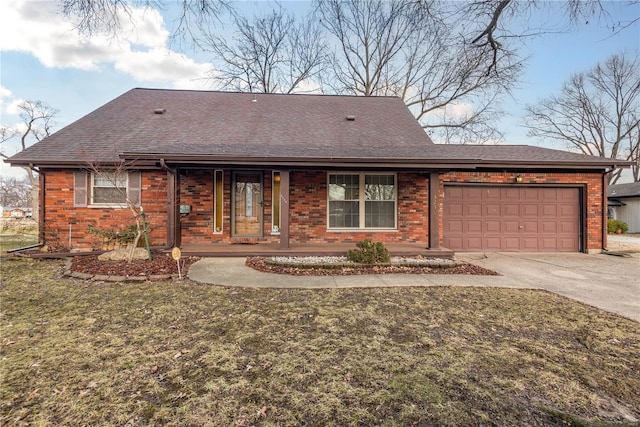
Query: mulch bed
{"type": "Point", "coordinates": [163, 264]}
{"type": "Point", "coordinates": [258, 263]}
{"type": "Point", "coordinates": [160, 264]}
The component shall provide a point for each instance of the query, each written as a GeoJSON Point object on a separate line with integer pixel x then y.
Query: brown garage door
{"type": "Point", "coordinates": [511, 219]}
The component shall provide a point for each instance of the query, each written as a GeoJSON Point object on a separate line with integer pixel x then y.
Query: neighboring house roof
{"type": "Point", "coordinates": [621, 191]}
{"type": "Point", "coordinates": [146, 125]}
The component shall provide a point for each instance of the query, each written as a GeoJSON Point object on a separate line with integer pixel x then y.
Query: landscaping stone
{"type": "Point", "coordinates": [123, 255]}
{"type": "Point", "coordinates": [83, 276]}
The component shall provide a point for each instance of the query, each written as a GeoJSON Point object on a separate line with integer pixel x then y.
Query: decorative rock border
{"type": "Point", "coordinates": [104, 278]}
{"type": "Point", "coordinates": [332, 263]}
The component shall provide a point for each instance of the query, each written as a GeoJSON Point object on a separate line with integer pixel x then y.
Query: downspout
{"type": "Point", "coordinates": [605, 208]}
{"type": "Point", "coordinates": [41, 208]}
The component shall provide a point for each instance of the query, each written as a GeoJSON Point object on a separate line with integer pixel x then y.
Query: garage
{"type": "Point", "coordinates": [513, 218]}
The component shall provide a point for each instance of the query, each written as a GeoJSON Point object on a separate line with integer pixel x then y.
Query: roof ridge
{"type": "Point", "coordinates": [265, 93]}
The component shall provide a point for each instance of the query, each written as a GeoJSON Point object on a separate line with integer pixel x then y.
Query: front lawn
{"type": "Point", "coordinates": [185, 354]}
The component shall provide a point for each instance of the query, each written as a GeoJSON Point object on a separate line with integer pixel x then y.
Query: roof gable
{"type": "Point", "coordinates": [236, 124]}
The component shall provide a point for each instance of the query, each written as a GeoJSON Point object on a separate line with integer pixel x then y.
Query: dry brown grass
{"type": "Point", "coordinates": [17, 233]}
{"type": "Point", "coordinates": [186, 354]}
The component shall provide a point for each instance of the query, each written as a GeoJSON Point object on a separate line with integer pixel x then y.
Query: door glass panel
{"type": "Point", "coordinates": [248, 204]}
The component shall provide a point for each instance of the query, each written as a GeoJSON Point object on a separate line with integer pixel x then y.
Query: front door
{"type": "Point", "coordinates": [247, 204]}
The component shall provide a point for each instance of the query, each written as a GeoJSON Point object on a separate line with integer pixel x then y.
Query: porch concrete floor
{"type": "Point", "coordinates": [304, 249]}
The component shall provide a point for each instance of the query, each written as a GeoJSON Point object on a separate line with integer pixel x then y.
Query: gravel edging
{"type": "Point", "coordinates": [122, 279]}
{"type": "Point", "coordinates": [335, 262]}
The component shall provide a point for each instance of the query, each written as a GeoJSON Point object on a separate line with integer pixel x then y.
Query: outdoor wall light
{"type": "Point", "coordinates": [519, 179]}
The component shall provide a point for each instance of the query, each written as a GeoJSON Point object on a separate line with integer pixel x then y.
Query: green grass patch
{"type": "Point", "coordinates": [187, 354]}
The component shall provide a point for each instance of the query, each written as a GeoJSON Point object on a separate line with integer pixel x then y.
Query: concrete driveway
{"type": "Point", "coordinates": [609, 282]}
{"type": "Point", "coordinates": [605, 281]}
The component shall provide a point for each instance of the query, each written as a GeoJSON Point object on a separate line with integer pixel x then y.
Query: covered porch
{"type": "Point", "coordinates": [304, 249]}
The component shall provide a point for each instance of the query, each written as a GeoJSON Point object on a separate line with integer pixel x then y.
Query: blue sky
{"type": "Point", "coordinates": [43, 58]}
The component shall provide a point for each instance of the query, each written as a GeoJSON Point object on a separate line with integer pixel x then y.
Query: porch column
{"type": "Point", "coordinates": [284, 209]}
{"type": "Point", "coordinates": [173, 208]}
{"type": "Point", "coordinates": [434, 210]}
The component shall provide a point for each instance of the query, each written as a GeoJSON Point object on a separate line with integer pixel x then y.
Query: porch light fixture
{"type": "Point", "coordinates": [351, 118]}
{"type": "Point", "coordinates": [276, 177]}
{"type": "Point", "coordinates": [518, 179]}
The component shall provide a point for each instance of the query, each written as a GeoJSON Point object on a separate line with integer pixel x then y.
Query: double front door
{"type": "Point", "coordinates": [247, 204]}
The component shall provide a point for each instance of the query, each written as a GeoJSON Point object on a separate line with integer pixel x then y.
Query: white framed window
{"type": "Point", "coordinates": [362, 200]}
{"type": "Point", "coordinates": [109, 188]}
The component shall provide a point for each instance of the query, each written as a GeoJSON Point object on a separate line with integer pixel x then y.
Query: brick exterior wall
{"type": "Point", "coordinates": [308, 210]}
{"type": "Point", "coordinates": [591, 181]}
{"type": "Point", "coordinates": [308, 207]}
{"type": "Point", "coordinates": [60, 212]}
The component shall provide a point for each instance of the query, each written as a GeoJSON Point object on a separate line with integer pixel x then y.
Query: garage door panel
{"type": "Point", "coordinates": [511, 218]}
{"type": "Point", "coordinates": [529, 244]}
{"type": "Point", "coordinates": [548, 244]}
{"type": "Point", "coordinates": [510, 194]}
{"type": "Point", "coordinates": [529, 210]}
{"type": "Point", "coordinates": [566, 245]}
{"type": "Point", "coordinates": [473, 209]}
{"type": "Point", "coordinates": [549, 227]}
{"type": "Point", "coordinates": [530, 195]}
{"type": "Point", "coordinates": [567, 227]}
{"type": "Point", "coordinates": [492, 226]}
{"type": "Point", "coordinates": [492, 209]}
{"type": "Point", "coordinates": [549, 210]}
{"type": "Point", "coordinates": [510, 210]}
{"type": "Point", "coordinates": [510, 243]}
{"type": "Point", "coordinates": [493, 243]}
{"type": "Point", "coordinates": [473, 243]}
{"type": "Point", "coordinates": [454, 226]}
{"type": "Point", "coordinates": [473, 226]}
{"type": "Point", "coordinates": [456, 209]}
{"type": "Point", "coordinates": [529, 226]}
{"type": "Point", "coordinates": [567, 210]}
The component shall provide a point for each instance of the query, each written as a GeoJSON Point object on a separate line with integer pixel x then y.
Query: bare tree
{"type": "Point", "coordinates": [413, 50]}
{"type": "Point", "coordinates": [271, 54]}
{"type": "Point", "coordinates": [493, 22]}
{"type": "Point", "coordinates": [116, 176]}
{"type": "Point", "coordinates": [15, 192]}
{"type": "Point", "coordinates": [37, 123]}
{"type": "Point", "coordinates": [596, 112]}
{"type": "Point", "coordinates": [105, 16]}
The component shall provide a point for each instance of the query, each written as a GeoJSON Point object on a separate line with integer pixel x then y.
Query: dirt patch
{"type": "Point", "coordinates": [161, 264]}
{"type": "Point", "coordinates": [261, 264]}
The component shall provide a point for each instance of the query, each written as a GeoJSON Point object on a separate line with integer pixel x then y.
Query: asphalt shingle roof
{"type": "Point", "coordinates": [631, 189]}
{"type": "Point", "coordinates": [220, 125]}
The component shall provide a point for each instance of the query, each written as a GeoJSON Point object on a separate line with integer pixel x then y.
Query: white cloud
{"type": "Point", "coordinates": [456, 111]}
{"type": "Point", "coordinates": [139, 50]}
{"type": "Point", "coordinates": [4, 94]}
{"type": "Point", "coordinates": [13, 107]}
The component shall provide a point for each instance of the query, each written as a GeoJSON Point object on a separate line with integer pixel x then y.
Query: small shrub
{"type": "Point", "coordinates": [369, 252]}
{"type": "Point", "coordinates": [113, 238]}
{"type": "Point", "coordinates": [614, 224]}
